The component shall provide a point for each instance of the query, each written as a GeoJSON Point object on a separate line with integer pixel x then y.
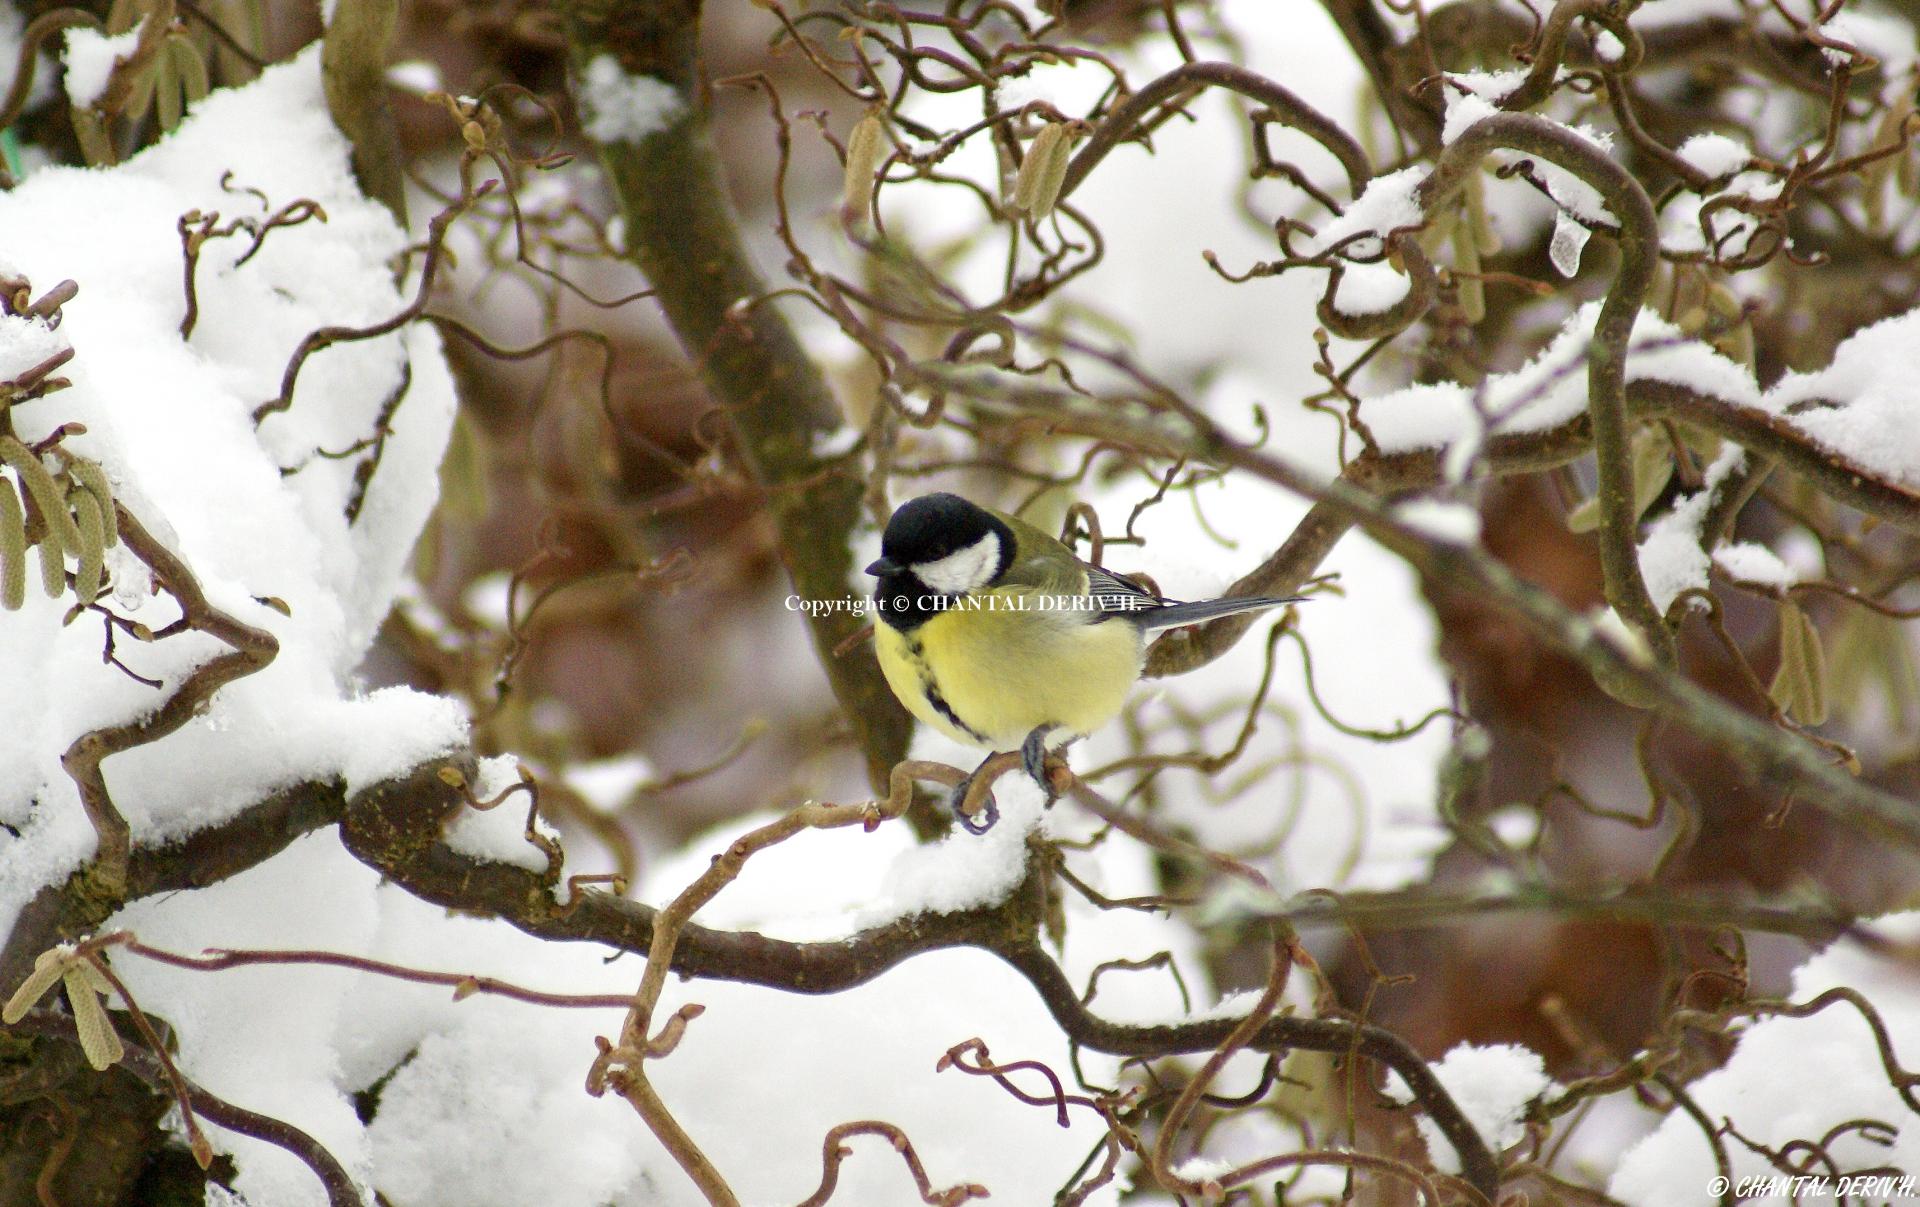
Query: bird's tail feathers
{"type": "Point", "coordinates": [1173, 616]}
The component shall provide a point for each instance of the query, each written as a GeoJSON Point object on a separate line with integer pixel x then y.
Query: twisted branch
{"type": "Point", "coordinates": [253, 648]}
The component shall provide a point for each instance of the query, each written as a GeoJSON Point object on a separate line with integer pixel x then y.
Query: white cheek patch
{"type": "Point", "coordinates": [965, 570]}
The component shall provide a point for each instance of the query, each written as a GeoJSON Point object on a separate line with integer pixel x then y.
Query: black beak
{"type": "Point", "coordinates": [883, 567]}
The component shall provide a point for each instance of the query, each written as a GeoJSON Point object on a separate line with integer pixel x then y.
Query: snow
{"type": "Point", "coordinates": [1492, 1085]}
{"type": "Point", "coordinates": [1579, 205]}
{"type": "Point", "coordinates": [1671, 557]}
{"type": "Point", "coordinates": [1671, 560]}
{"type": "Point", "coordinates": [1515, 825]}
{"type": "Point", "coordinates": [482, 1102]}
{"type": "Point", "coordinates": [835, 442]}
{"type": "Point", "coordinates": [417, 76]}
{"type": "Point", "coordinates": [286, 1069]}
{"type": "Point", "coordinates": [1590, 1144]}
{"type": "Point", "coordinates": [486, 600]}
{"type": "Point", "coordinates": [1466, 108]}
{"type": "Point", "coordinates": [865, 543]}
{"type": "Point", "coordinates": [1070, 85]}
{"type": "Point", "coordinates": [870, 1052]}
{"type": "Point", "coordinates": [499, 834]}
{"type": "Point", "coordinates": [484, 1106]}
{"type": "Point", "coordinates": [1202, 1169]}
{"type": "Point", "coordinates": [1795, 1079]}
{"type": "Point", "coordinates": [609, 784]}
{"type": "Point", "coordinates": [1615, 631]}
{"type": "Point", "coordinates": [1387, 205]}
{"type": "Point", "coordinates": [1877, 394]}
{"type": "Point", "coordinates": [1370, 288]}
{"type": "Point", "coordinates": [1680, 224]}
{"type": "Point", "coordinates": [1750, 562]}
{"type": "Point", "coordinates": [89, 57]}
{"type": "Point", "coordinates": [1549, 390]}
{"type": "Point", "coordinates": [170, 421]}
{"type": "Point", "coordinates": [1330, 810]}
{"type": "Point", "coordinates": [1883, 36]}
{"type": "Point", "coordinates": [1484, 85]}
{"type": "Point", "coordinates": [26, 343]}
{"type": "Point", "coordinates": [1456, 523]}
{"type": "Point", "coordinates": [1804, 555]}
{"type": "Point", "coordinates": [1354, 813]}
{"type": "Point", "coordinates": [1729, 227]}
{"type": "Point", "coordinates": [618, 106]}
{"type": "Point", "coordinates": [1573, 194]}
{"type": "Point", "coordinates": [12, 25]}
{"type": "Point", "coordinates": [1471, 96]}
{"type": "Point", "coordinates": [1431, 415]}
{"type": "Point", "coordinates": [474, 1099]}
{"type": "Point", "coordinates": [963, 870]}
{"type": "Point", "coordinates": [1715, 154]}
{"type": "Point", "coordinates": [1860, 406]}
{"type": "Point", "coordinates": [1237, 1004]}
{"type": "Point", "coordinates": [1181, 316]}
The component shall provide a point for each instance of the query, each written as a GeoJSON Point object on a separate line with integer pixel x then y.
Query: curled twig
{"type": "Point", "coordinates": [251, 649]}
{"type": "Point", "coordinates": [834, 1151]}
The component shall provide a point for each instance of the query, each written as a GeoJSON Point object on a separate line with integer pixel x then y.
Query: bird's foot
{"type": "Point", "coordinates": [989, 813]}
{"type": "Point", "coordinates": [1047, 770]}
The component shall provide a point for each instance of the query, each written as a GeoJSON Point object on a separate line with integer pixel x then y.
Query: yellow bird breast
{"type": "Point", "coordinates": [989, 678]}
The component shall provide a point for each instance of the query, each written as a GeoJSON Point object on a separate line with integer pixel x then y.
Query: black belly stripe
{"type": "Point", "coordinates": [945, 709]}
{"type": "Point", "coordinates": [934, 697]}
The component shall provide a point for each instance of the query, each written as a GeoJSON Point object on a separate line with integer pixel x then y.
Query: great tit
{"type": "Point", "coordinates": [996, 635]}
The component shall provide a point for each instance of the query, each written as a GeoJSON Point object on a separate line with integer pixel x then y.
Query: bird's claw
{"type": "Point", "coordinates": [1033, 757]}
{"type": "Point", "coordinates": [957, 803]}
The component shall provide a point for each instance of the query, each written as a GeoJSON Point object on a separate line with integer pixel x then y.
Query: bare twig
{"type": "Point", "coordinates": [252, 649]}
{"type": "Point", "coordinates": [334, 1178]}
{"type": "Point", "coordinates": [834, 1151]}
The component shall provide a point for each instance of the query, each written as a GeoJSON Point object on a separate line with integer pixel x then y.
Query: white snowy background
{"type": "Point", "coordinates": [481, 1100]}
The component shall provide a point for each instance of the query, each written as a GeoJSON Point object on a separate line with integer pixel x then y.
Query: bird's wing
{"type": "Point", "coordinates": [1045, 565]}
{"type": "Point", "coordinates": [1171, 615]}
{"type": "Point", "coordinates": [1051, 568]}
{"type": "Point", "coordinates": [1119, 596]}
{"type": "Point", "coordinates": [1116, 594]}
